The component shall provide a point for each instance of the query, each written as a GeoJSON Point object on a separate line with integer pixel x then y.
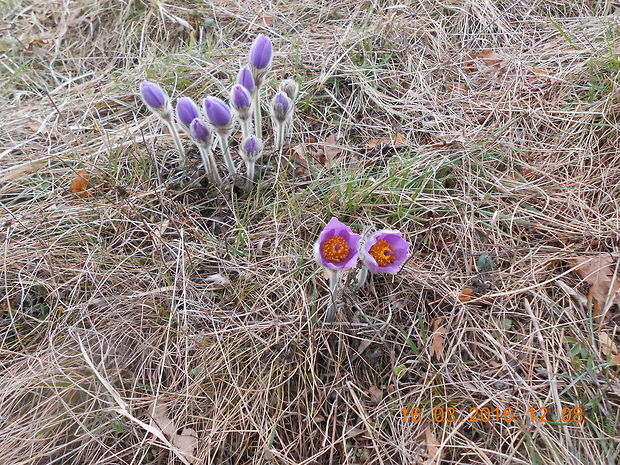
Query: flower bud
{"type": "Point", "coordinates": [246, 79]}
{"type": "Point", "coordinates": [218, 113]}
{"type": "Point", "coordinates": [281, 107]}
{"type": "Point", "coordinates": [153, 96]}
{"type": "Point", "coordinates": [261, 52]}
{"type": "Point", "coordinates": [199, 131]}
{"type": "Point", "coordinates": [290, 88]}
{"type": "Point", "coordinates": [251, 149]}
{"type": "Point", "coordinates": [261, 55]}
{"type": "Point", "coordinates": [241, 101]}
{"type": "Point", "coordinates": [187, 111]}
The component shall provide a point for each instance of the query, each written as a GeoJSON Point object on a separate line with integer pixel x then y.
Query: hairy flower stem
{"type": "Point", "coordinates": [177, 141]}
{"type": "Point", "coordinates": [246, 129]}
{"type": "Point", "coordinates": [250, 168]}
{"type": "Point", "coordinates": [280, 134]}
{"type": "Point", "coordinates": [210, 166]}
{"type": "Point", "coordinates": [230, 164]}
{"type": "Point", "coordinates": [257, 115]}
{"type": "Point", "coordinates": [334, 278]}
{"type": "Point", "coordinates": [362, 277]}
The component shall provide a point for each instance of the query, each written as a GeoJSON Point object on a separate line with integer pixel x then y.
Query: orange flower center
{"type": "Point", "coordinates": [382, 252]}
{"type": "Point", "coordinates": [335, 249]}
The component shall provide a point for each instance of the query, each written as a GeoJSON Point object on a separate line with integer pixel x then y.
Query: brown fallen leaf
{"type": "Point", "coordinates": [485, 57]}
{"type": "Point", "coordinates": [438, 338]}
{"type": "Point", "coordinates": [332, 150]}
{"type": "Point", "coordinates": [376, 394]}
{"type": "Point", "coordinates": [607, 346]}
{"type": "Point", "coordinates": [186, 442]}
{"type": "Point", "coordinates": [598, 272]}
{"type": "Point", "coordinates": [398, 140]}
{"type": "Point", "coordinates": [432, 447]}
{"type": "Point", "coordinates": [467, 295]}
{"type": "Point", "coordinates": [80, 183]}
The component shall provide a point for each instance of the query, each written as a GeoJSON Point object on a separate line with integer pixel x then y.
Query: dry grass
{"type": "Point", "coordinates": [506, 163]}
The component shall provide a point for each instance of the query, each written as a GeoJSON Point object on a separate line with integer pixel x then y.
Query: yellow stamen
{"type": "Point", "coordinates": [382, 252]}
{"type": "Point", "coordinates": [335, 249]}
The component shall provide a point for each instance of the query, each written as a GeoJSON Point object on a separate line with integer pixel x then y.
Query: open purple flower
{"type": "Point", "coordinates": [153, 96]}
{"type": "Point", "coordinates": [337, 246]}
{"type": "Point", "coordinates": [385, 251]}
{"type": "Point", "coordinates": [187, 111]}
{"type": "Point", "coordinates": [218, 112]}
{"type": "Point", "coordinates": [261, 52]}
{"type": "Point", "coordinates": [246, 79]}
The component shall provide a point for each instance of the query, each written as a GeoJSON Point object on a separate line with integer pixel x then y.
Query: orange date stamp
{"type": "Point", "coordinates": [491, 415]}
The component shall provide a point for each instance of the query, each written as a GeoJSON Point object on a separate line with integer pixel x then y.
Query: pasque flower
{"type": "Point", "coordinates": [153, 96]}
{"type": "Point", "coordinates": [261, 53]}
{"type": "Point", "coordinates": [218, 113]}
{"type": "Point", "coordinates": [156, 99]}
{"type": "Point", "coordinates": [203, 138]}
{"type": "Point", "coordinates": [246, 79]}
{"type": "Point", "coordinates": [385, 251]}
{"type": "Point", "coordinates": [251, 151]}
{"type": "Point", "coordinates": [260, 58]}
{"type": "Point", "coordinates": [337, 246]}
{"type": "Point", "coordinates": [221, 118]}
{"type": "Point", "coordinates": [290, 88]}
{"type": "Point", "coordinates": [281, 112]}
{"type": "Point", "coordinates": [187, 111]}
{"type": "Point", "coordinates": [241, 101]}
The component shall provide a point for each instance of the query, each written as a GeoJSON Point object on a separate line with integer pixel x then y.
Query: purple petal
{"type": "Point", "coordinates": [261, 52]}
{"type": "Point", "coordinates": [217, 111]}
{"type": "Point", "coordinates": [252, 145]}
{"type": "Point", "coordinates": [398, 245]}
{"type": "Point", "coordinates": [199, 130]}
{"type": "Point", "coordinates": [187, 110]}
{"type": "Point", "coordinates": [336, 228]}
{"type": "Point", "coordinates": [246, 79]}
{"type": "Point", "coordinates": [240, 97]}
{"type": "Point", "coordinates": [153, 95]}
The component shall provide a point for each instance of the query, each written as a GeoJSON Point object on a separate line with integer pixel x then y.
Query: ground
{"type": "Point", "coordinates": [142, 301]}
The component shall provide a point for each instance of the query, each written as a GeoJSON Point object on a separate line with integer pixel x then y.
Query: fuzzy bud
{"type": "Point", "coordinates": [187, 111]}
{"type": "Point", "coordinates": [246, 79]}
{"type": "Point", "coordinates": [281, 107]}
{"type": "Point", "coordinates": [241, 101]}
{"type": "Point", "coordinates": [290, 88]}
{"type": "Point", "coordinates": [261, 55]}
{"type": "Point", "coordinates": [251, 149]}
{"type": "Point", "coordinates": [218, 114]}
{"type": "Point", "coordinates": [155, 98]}
{"type": "Point", "coordinates": [199, 131]}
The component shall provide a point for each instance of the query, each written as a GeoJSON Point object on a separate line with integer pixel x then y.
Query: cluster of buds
{"type": "Point", "coordinates": [338, 249]}
{"type": "Point", "coordinates": [217, 120]}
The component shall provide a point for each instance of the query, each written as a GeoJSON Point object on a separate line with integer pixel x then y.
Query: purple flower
{"type": "Point", "coordinates": [246, 79]}
{"type": "Point", "coordinates": [152, 95]}
{"type": "Point", "coordinates": [199, 130]}
{"type": "Point", "coordinates": [252, 148]}
{"type": "Point", "coordinates": [337, 246]}
{"type": "Point", "coordinates": [187, 111]}
{"type": "Point", "coordinates": [240, 98]}
{"type": "Point", "coordinates": [281, 107]}
{"type": "Point", "coordinates": [385, 251]}
{"type": "Point", "coordinates": [218, 112]}
{"type": "Point", "coordinates": [261, 52]}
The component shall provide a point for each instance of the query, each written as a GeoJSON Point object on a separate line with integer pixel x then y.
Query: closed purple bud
{"type": "Point", "coordinates": [246, 79]}
{"type": "Point", "coordinates": [261, 52]}
{"type": "Point", "coordinates": [199, 130]}
{"type": "Point", "coordinates": [251, 148]}
{"type": "Point", "coordinates": [240, 98]}
{"type": "Point", "coordinates": [187, 111]}
{"type": "Point", "coordinates": [281, 107]}
{"type": "Point", "coordinates": [152, 95]}
{"type": "Point", "coordinates": [218, 112]}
